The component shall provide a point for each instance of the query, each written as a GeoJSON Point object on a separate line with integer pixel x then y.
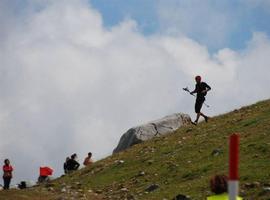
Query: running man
{"type": "Point", "coordinates": [201, 89]}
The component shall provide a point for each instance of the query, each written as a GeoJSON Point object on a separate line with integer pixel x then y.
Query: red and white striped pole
{"type": "Point", "coordinates": [233, 167]}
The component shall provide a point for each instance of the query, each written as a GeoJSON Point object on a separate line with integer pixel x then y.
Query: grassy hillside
{"type": "Point", "coordinates": [180, 163]}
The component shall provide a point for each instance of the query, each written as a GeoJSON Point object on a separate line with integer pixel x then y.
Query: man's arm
{"type": "Point", "coordinates": [77, 165]}
{"type": "Point", "coordinates": [194, 91]}
{"type": "Point", "coordinates": [207, 88]}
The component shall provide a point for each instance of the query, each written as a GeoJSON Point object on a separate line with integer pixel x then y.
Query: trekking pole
{"type": "Point", "coordinates": [187, 90]}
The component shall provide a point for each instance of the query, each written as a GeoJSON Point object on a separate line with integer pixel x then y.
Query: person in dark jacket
{"type": "Point", "coordinates": [7, 176]}
{"type": "Point", "coordinates": [72, 164]}
{"type": "Point", "coordinates": [201, 89]}
{"type": "Point", "coordinates": [65, 165]}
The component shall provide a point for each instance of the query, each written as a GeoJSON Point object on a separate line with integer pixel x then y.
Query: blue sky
{"type": "Point", "coordinates": [115, 11]}
{"type": "Point", "coordinates": [242, 18]}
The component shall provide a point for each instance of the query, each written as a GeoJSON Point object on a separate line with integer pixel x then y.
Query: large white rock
{"type": "Point", "coordinates": [152, 129]}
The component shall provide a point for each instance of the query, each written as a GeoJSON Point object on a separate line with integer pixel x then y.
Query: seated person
{"type": "Point", "coordinates": [88, 160]}
{"type": "Point", "coordinates": [72, 164]}
{"type": "Point", "coordinates": [65, 165]}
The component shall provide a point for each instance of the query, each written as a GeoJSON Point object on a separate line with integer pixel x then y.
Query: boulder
{"type": "Point", "coordinates": [152, 129]}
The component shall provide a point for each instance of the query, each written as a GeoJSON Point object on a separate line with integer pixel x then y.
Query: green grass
{"type": "Point", "coordinates": [181, 162]}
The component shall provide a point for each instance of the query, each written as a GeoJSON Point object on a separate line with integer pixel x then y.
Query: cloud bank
{"type": "Point", "coordinates": [69, 84]}
{"type": "Point", "coordinates": [197, 18]}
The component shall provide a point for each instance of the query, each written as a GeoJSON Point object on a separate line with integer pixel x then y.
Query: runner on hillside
{"type": "Point", "coordinates": [201, 88]}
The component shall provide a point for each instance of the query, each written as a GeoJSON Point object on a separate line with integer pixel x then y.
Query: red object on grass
{"type": "Point", "coordinates": [234, 157]}
{"type": "Point", "coordinates": [45, 171]}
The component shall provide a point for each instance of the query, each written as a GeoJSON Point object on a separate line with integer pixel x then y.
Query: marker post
{"type": "Point", "coordinates": [233, 167]}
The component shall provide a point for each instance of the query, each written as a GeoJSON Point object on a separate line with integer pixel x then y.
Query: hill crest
{"type": "Point", "coordinates": [179, 163]}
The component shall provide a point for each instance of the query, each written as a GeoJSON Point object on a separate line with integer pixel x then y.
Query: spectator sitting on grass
{"type": "Point", "coordinates": [72, 164]}
{"type": "Point", "coordinates": [88, 160]}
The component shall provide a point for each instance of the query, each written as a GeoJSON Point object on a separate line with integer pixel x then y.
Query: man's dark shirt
{"type": "Point", "coordinates": [201, 87]}
{"type": "Point", "coordinates": [65, 167]}
{"type": "Point", "coordinates": [72, 165]}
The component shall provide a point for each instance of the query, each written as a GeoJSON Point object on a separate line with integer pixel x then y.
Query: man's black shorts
{"type": "Point", "coordinates": [198, 104]}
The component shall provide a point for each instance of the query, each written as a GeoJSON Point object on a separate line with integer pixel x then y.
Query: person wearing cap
{"type": "Point", "coordinates": [201, 88]}
{"type": "Point", "coordinates": [219, 186]}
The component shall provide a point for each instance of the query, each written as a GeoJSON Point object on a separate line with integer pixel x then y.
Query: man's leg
{"type": "Point", "coordinates": [197, 118]}
{"type": "Point", "coordinates": [205, 117]}
{"type": "Point", "coordinates": [6, 183]}
{"type": "Point", "coordinates": [198, 106]}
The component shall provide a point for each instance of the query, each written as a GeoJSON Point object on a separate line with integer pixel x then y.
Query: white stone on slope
{"type": "Point", "coordinates": [152, 129]}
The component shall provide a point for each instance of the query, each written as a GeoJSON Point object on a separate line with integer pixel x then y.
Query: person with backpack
{"type": "Point", "coordinates": [201, 88]}
{"type": "Point", "coordinates": [88, 161]}
{"type": "Point", "coordinates": [65, 165]}
{"type": "Point", "coordinates": [72, 164]}
{"type": "Point", "coordinates": [7, 175]}
{"type": "Point", "coordinates": [219, 186]}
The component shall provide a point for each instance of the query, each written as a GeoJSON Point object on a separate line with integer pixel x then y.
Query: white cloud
{"type": "Point", "coordinates": [208, 22]}
{"type": "Point", "coordinates": [70, 85]}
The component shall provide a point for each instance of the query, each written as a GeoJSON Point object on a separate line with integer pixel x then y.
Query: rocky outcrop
{"type": "Point", "coordinates": [152, 129]}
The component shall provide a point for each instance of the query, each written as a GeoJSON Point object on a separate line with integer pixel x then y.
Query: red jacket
{"type": "Point", "coordinates": [7, 171]}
